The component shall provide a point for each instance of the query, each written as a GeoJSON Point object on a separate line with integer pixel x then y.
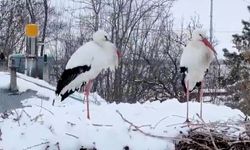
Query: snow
{"type": "Point", "coordinates": [65, 123]}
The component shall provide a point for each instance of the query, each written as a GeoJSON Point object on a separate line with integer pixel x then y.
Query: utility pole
{"type": "Point", "coordinates": [211, 22]}
{"type": "Point", "coordinates": [211, 41]}
{"type": "Point", "coordinates": [31, 31]}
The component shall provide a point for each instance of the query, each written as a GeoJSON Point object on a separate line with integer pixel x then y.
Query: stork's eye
{"type": "Point", "coordinates": [201, 36]}
{"type": "Point", "coordinates": [106, 38]}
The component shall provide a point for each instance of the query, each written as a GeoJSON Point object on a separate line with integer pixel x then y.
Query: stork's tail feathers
{"type": "Point", "coordinates": [67, 77]}
{"type": "Point", "coordinates": [67, 93]}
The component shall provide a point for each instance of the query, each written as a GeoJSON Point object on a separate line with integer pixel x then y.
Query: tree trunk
{"type": "Point", "coordinates": [45, 4]}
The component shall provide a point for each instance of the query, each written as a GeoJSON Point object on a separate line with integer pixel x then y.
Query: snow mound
{"type": "Point", "coordinates": [151, 126]}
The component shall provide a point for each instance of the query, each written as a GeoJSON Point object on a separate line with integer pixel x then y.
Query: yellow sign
{"type": "Point", "coordinates": [31, 30]}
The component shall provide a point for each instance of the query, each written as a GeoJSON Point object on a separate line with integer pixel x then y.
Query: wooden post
{"type": "Point", "coordinates": [13, 83]}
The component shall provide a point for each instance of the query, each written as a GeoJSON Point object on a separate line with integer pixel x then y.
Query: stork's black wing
{"type": "Point", "coordinates": [68, 76]}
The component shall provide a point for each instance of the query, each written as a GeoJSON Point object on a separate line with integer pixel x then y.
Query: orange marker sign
{"type": "Point", "coordinates": [31, 30]}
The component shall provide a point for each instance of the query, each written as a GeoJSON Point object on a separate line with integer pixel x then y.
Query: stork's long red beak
{"type": "Point", "coordinates": [119, 54]}
{"type": "Point", "coordinates": [209, 45]}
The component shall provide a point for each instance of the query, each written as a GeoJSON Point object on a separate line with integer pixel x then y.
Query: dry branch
{"type": "Point", "coordinates": [57, 145]}
{"type": "Point", "coordinates": [70, 123]}
{"type": "Point", "coordinates": [102, 125]}
{"type": "Point", "coordinates": [47, 147]}
{"type": "Point", "coordinates": [18, 117]}
{"type": "Point", "coordinates": [43, 143]}
{"type": "Point", "coordinates": [26, 113]}
{"type": "Point", "coordinates": [211, 136]}
{"type": "Point", "coordinates": [36, 118]}
{"type": "Point", "coordinates": [72, 135]}
{"type": "Point", "coordinates": [159, 122]}
{"type": "Point", "coordinates": [143, 132]}
{"type": "Point", "coordinates": [45, 109]}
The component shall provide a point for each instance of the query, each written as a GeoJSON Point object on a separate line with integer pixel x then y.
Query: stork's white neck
{"type": "Point", "coordinates": [197, 44]}
{"type": "Point", "coordinates": [99, 43]}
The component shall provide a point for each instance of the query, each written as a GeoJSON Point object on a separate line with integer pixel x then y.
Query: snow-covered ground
{"type": "Point", "coordinates": [40, 125]}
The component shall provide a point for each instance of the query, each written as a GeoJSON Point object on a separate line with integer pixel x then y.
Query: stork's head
{"type": "Point", "coordinates": [100, 36]}
{"type": "Point", "coordinates": [200, 35]}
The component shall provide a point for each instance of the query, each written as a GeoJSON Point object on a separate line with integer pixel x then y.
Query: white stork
{"type": "Point", "coordinates": [85, 64]}
{"type": "Point", "coordinates": [194, 63]}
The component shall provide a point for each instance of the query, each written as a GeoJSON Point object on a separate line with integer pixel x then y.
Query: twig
{"type": "Point", "coordinates": [26, 113]}
{"type": "Point", "coordinates": [36, 118]}
{"type": "Point", "coordinates": [43, 143]}
{"type": "Point", "coordinates": [160, 122]}
{"type": "Point", "coordinates": [70, 123]}
{"type": "Point", "coordinates": [41, 106]}
{"type": "Point", "coordinates": [211, 136]}
{"type": "Point", "coordinates": [5, 115]}
{"type": "Point", "coordinates": [57, 145]}
{"type": "Point", "coordinates": [45, 109]}
{"type": "Point", "coordinates": [72, 135]}
{"type": "Point", "coordinates": [202, 145]}
{"type": "Point", "coordinates": [53, 102]}
{"type": "Point", "coordinates": [51, 129]}
{"type": "Point", "coordinates": [101, 125]}
{"type": "Point", "coordinates": [18, 117]}
{"type": "Point", "coordinates": [146, 125]}
{"type": "Point", "coordinates": [47, 147]}
{"type": "Point", "coordinates": [141, 131]}
{"type": "Point", "coordinates": [236, 142]}
{"type": "Point", "coordinates": [178, 116]}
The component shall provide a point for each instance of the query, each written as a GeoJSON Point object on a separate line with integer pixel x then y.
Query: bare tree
{"type": "Point", "coordinates": [143, 31]}
{"type": "Point", "coordinates": [11, 26]}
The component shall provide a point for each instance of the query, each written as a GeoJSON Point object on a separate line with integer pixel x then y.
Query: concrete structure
{"type": "Point", "coordinates": [27, 66]}
{"type": "Point", "coordinates": [13, 83]}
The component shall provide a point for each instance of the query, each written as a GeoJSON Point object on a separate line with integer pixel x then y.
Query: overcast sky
{"type": "Point", "coordinates": [227, 17]}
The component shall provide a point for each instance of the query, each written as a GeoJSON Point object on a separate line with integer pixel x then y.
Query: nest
{"type": "Point", "coordinates": [215, 136]}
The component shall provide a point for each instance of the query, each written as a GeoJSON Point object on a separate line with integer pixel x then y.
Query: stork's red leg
{"type": "Point", "coordinates": [87, 89]}
{"type": "Point", "coordinates": [187, 98]}
{"type": "Point", "coordinates": [201, 97]}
